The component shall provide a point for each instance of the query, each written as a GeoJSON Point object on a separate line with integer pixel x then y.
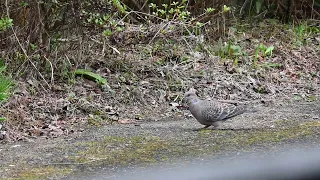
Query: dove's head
{"type": "Point", "coordinates": [190, 96]}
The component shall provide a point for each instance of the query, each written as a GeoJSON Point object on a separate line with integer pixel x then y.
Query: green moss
{"type": "Point", "coordinates": [41, 173]}
{"type": "Point", "coordinates": [310, 124]}
{"type": "Point", "coordinates": [114, 150]}
{"type": "Point", "coordinates": [139, 150]}
{"type": "Point", "coordinates": [98, 119]}
{"type": "Point", "coordinates": [284, 123]}
{"type": "Point", "coordinates": [274, 135]}
{"type": "Point", "coordinates": [123, 151]}
{"type": "Point", "coordinates": [312, 98]}
{"type": "Point", "coordinates": [234, 139]}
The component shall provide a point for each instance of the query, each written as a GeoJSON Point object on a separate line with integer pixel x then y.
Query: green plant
{"type": "Point", "coordinates": [305, 31]}
{"type": "Point", "coordinates": [5, 23]}
{"type": "Point", "coordinates": [270, 65]}
{"type": "Point", "coordinates": [33, 46]}
{"type": "Point", "coordinates": [178, 12]}
{"type": "Point", "coordinates": [226, 8]}
{"type": "Point", "coordinates": [91, 75]}
{"type": "Point", "coordinates": [5, 86]}
{"type": "Point", "coordinates": [98, 119]}
{"type": "Point", "coordinates": [119, 6]}
{"type": "Point", "coordinates": [109, 21]}
{"type": "Point", "coordinates": [262, 51]}
{"type": "Point", "coordinates": [5, 83]}
{"type": "Point", "coordinates": [24, 4]}
{"type": "Point", "coordinates": [173, 10]}
{"type": "Point", "coordinates": [96, 18]}
{"type": "Point", "coordinates": [231, 51]}
{"type": "Point", "coordinates": [301, 30]}
{"type": "Point", "coordinates": [2, 119]}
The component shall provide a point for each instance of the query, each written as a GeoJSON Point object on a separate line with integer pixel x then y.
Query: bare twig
{"type": "Point", "coordinates": [24, 51]}
{"type": "Point", "coordinates": [52, 79]}
{"type": "Point", "coordinates": [166, 24]}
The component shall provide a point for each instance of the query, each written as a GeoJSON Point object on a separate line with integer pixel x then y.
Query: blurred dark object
{"type": "Point", "coordinates": [293, 165]}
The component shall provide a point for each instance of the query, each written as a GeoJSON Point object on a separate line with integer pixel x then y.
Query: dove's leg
{"type": "Point", "coordinates": [199, 129]}
{"type": "Point", "coordinates": [216, 124]}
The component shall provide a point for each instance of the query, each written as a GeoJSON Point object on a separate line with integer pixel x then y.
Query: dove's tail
{"type": "Point", "coordinates": [236, 110]}
{"type": "Point", "coordinates": [240, 110]}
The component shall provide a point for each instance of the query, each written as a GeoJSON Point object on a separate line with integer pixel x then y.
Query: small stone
{"type": "Point", "coordinates": [138, 117]}
{"type": "Point", "coordinates": [15, 146]}
{"type": "Point", "coordinates": [2, 135]}
{"type": "Point", "coordinates": [108, 108]}
{"type": "Point", "coordinates": [144, 83]}
{"type": "Point", "coordinates": [174, 104]}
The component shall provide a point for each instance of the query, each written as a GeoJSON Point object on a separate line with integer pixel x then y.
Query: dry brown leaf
{"type": "Point", "coordinates": [126, 121]}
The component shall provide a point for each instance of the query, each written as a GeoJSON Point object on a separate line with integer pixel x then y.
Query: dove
{"type": "Point", "coordinates": [211, 112]}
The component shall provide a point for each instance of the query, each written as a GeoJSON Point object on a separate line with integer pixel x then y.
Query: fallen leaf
{"type": "Point", "coordinates": [126, 121]}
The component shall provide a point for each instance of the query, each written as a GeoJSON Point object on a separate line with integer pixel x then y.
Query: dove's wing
{"type": "Point", "coordinates": [231, 110]}
{"type": "Point", "coordinates": [215, 111]}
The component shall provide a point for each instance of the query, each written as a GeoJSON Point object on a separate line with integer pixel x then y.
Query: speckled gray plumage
{"type": "Point", "coordinates": [210, 112]}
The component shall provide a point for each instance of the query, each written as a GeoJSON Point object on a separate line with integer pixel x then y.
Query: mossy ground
{"type": "Point", "coordinates": [115, 150]}
{"type": "Point", "coordinates": [35, 173]}
{"type": "Point", "coordinates": [141, 149]}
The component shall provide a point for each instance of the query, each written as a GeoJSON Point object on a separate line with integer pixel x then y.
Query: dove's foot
{"type": "Point", "coordinates": [237, 129]}
{"type": "Point", "coordinates": [226, 129]}
{"type": "Point", "coordinates": [199, 129]}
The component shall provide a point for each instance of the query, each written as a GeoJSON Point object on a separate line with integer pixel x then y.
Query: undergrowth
{"type": "Point", "coordinates": [6, 86]}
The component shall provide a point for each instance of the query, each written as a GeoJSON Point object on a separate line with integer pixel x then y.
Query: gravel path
{"type": "Point", "coordinates": [106, 151]}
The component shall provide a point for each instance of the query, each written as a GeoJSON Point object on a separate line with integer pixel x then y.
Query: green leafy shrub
{"type": "Point", "coordinates": [5, 83]}
{"type": "Point", "coordinates": [5, 23]}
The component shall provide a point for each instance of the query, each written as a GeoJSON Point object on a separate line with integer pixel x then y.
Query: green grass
{"type": "Point", "coordinates": [5, 87]}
